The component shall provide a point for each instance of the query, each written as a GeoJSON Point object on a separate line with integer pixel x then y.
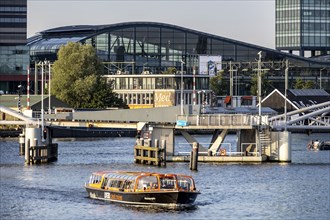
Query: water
{"type": "Point", "coordinates": [297, 190]}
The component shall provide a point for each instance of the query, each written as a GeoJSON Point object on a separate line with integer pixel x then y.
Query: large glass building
{"type": "Point", "coordinates": [303, 26]}
{"type": "Point", "coordinates": [143, 58]}
{"type": "Point", "coordinates": [14, 54]}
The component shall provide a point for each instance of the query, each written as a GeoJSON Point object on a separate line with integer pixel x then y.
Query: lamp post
{"type": "Point", "coordinates": [19, 98]}
{"type": "Point", "coordinates": [203, 100]}
{"type": "Point", "coordinates": [42, 100]}
{"type": "Point", "coordinates": [49, 102]}
{"type": "Point", "coordinates": [182, 87]}
{"type": "Point", "coordinates": [321, 77]}
{"type": "Point", "coordinates": [286, 91]}
{"type": "Point", "coordinates": [259, 85]}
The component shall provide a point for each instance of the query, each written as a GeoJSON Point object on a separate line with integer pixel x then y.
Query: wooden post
{"type": "Point", "coordinates": [33, 151]}
{"type": "Point", "coordinates": [27, 152]}
{"type": "Point", "coordinates": [163, 153]}
{"type": "Point", "coordinates": [194, 156]}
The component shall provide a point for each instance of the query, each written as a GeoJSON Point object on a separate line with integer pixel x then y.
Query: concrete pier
{"type": "Point", "coordinates": [37, 150]}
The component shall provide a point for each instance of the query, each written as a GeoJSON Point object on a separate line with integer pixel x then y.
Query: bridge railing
{"type": "Point", "coordinates": [219, 120]}
{"type": "Point", "coordinates": [319, 121]}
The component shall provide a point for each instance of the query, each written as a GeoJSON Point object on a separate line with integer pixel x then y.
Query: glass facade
{"type": "Point", "coordinates": [144, 57]}
{"type": "Point", "coordinates": [14, 56]}
{"type": "Point", "coordinates": [13, 22]}
{"type": "Point", "coordinates": [152, 46]}
{"type": "Point", "coordinates": [303, 25]}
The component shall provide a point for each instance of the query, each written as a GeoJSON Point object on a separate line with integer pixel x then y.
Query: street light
{"type": "Point", "coordinates": [259, 85]}
{"type": "Point", "coordinates": [19, 98]}
{"type": "Point", "coordinates": [42, 100]}
{"type": "Point", "coordinates": [202, 100]}
{"type": "Point", "coordinates": [182, 87]}
{"type": "Point", "coordinates": [49, 95]}
{"type": "Point", "coordinates": [321, 77]}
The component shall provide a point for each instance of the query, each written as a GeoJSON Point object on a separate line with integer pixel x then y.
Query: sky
{"type": "Point", "coordinates": [250, 21]}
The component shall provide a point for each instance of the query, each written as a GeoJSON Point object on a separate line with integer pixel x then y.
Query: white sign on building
{"type": "Point", "coordinates": [209, 64]}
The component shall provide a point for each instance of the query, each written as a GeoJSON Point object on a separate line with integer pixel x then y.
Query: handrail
{"type": "Point", "coordinates": [229, 151]}
{"type": "Point", "coordinates": [220, 119]}
{"type": "Point", "coordinates": [26, 119]}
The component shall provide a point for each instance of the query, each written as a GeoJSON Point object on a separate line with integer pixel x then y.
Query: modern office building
{"type": "Point", "coordinates": [303, 26]}
{"type": "Point", "coordinates": [148, 60]}
{"type": "Point", "coordinates": [14, 54]}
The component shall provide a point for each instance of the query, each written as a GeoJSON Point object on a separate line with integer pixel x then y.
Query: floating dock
{"type": "Point", "coordinates": [219, 159]}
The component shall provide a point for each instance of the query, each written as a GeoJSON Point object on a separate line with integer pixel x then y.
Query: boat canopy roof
{"type": "Point", "coordinates": [123, 175]}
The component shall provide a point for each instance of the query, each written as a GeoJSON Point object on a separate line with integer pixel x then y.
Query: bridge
{"type": "Point", "coordinates": [315, 117]}
{"type": "Point", "coordinates": [263, 137]}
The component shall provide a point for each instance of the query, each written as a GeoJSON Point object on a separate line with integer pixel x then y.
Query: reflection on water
{"type": "Point", "coordinates": [297, 190]}
{"type": "Point", "coordinates": [161, 209]}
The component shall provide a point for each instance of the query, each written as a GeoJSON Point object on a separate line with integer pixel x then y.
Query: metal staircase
{"type": "Point", "coordinates": [265, 142]}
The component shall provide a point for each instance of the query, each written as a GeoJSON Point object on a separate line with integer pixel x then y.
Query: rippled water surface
{"type": "Point", "coordinates": [297, 190]}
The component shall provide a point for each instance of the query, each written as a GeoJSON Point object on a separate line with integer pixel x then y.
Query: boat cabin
{"type": "Point", "coordinates": [140, 182]}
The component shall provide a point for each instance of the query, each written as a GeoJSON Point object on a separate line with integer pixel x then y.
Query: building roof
{"type": "Point", "coordinates": [11, 101]}
{"type": "Point", "coordinates": [275, 100]}
{"type": "Point", "coordinates": [309, 92]}
{"type": "Point", "coordinates": [240, 110]}
{"type": "Point", "coordinates": [59, 36]}
{"type": "Point", "coordinates": [307, 97]}
{"type": "Point", "coordinates": [296, 99]}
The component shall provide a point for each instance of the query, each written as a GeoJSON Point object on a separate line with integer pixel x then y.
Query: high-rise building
{"type": "Point", "coordinates": [14, 56]}
{"type": "Point", "coordinates": [303, 26]}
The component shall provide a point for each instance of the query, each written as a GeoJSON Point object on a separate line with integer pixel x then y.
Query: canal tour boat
{"type": "Point", "coordinates": [138, 188]}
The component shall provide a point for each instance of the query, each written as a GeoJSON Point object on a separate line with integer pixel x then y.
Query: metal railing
{"type": "Point", "coordinates": [228, 150]}
{"type": "Point", "coordinates": [219, 119]}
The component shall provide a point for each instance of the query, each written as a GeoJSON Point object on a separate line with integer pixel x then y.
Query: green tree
{"type": "Point", "coordinates": [218, 85]}
{"type": "Point", "coordinates": [266, 85]}
{"type": "Point", "coordinates": [301, 84]}
{"type": "Point", "coordinates": [77, 78]}
{"type": "Point", "coordinates": [170, 70]}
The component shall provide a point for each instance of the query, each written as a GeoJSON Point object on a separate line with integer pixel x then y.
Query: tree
{"type": "Point", "coordinates": [218, 85]}
{"type": "Point", "coordinates": [170, 70]}
{"type": "Point", "coordinates": [77, 78]}
{"type": "Point", "coordinates": [266, 85]}
{"type": "Point", "coordinates": [301, 84]}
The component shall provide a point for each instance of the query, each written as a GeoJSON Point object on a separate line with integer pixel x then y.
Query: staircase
{"type": "Point", "coordinates": [265, 142]}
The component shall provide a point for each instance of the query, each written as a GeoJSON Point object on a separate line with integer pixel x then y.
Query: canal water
{"type": "Point", "coordinates": [297, 190]}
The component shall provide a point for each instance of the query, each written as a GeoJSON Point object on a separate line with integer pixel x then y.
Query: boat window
{"type": "Point", "coordinates": [185, 183]}
{"type": "Point", "coordinates": [148, 182]}
{"type": "Point", "coordinates": [115, 183]}
{"type": "Point", "coordinates": [128, 185]}
{"type": "Point", "coordinates": [105, 182]}
{"type": "Point", "coordinates": [167, 183]}
{"type": "Point", "coordinates": [94, 179]}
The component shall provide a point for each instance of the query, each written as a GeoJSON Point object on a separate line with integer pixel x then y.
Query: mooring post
{"type": "Point", "coordinates": [163, 143]}
{"type": "Point", "coordinates": [33, 150]}
{"type": "Point", "coordinates": [194, 156]}
{"type": "Point", "coordinates": [156, 153]}
{"type": "Point", "coordinates": [27, 152]}
{"type": "Point", "coordinates": [21, 141]}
